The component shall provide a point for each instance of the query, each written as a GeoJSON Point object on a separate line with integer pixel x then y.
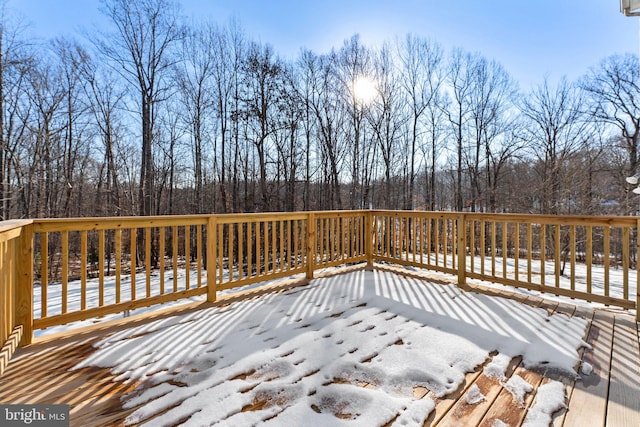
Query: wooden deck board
{"type": "Point", "coordinates": [624, 380]}
{"type": "Point", "coordinates": [463, 413]}
{"type": "Point", "coordinates": [588, 400]}
{"type": "Point", "coordinates": [445, 404]}
{"type": "Point", "coordinates": [506, 408]}
{"type": "Point", "coordinates": [41, 374]}
{"type": "Point", "coordinates": [570, 383]}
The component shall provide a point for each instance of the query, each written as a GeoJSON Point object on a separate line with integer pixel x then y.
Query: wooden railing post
{"type": "Point", "coordinates": [212, 257]}
{"type": "Point", "coordinates": [311, 244]}
{"type": "Point", "coordinates": [368, 235]}
{"type": "Point", "coordinates": [24, 283]}
{"type": "Point", "coordinates": [461, 229]}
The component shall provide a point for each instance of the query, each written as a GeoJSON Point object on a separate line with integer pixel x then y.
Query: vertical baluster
{"type": "Point", "coordinates": [483, 245]}
{"type": "Point", "coordinates": [199, 254]}
{"type": "Point", "coordinates": [607, 260]}
{"type": "Point", "coordinates": [187, 256]}
{"type": "Point", "coordinates": [118, 260]}
{"type": "Point", "coordinates": [44, 273]}
{"type": "Point", "coordinates": [132, 261]}
{"type": "Point", "coordinates": [101, 268]}
{"type": "Point", "coordinates": [174, 254]}
{"type": "Point", "coordinates": [529, 250]}
{"type": "Point", "coordinates": [625, 263]}
{"type": "Point", "coordinates": [589, 259]}
{"type": "Point", "coordinates": [543, 252]}
{"type": "Point", "coordinates": [572, 247]}
{"type": "Point", "coordinates": [557, 254]}
{"type": "Point", "coordinates": [516, 249]}
{"type": "Point", "coordinates": [162, 236]}
{"type": "Point", "coordinates": [505, 247]}
{"type": "Point", "coordinates": [147, 260]}
{"type": "Point", "coordinates": [472, 245]}
{"type": "Point", "coordinates": [83, 270]}
{"type": "Point", "coordinates": [494, 251]}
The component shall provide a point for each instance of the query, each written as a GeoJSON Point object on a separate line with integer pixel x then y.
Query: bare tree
{"type": "Point", "coordinates": [555, 131]}
{"type": "Point", "coordinates": [306, 71]}
{"type": "Point", "coordinates": [387, 119]}
{"type": "Point", "coordinates": [229, 50]}
{"type": "Point", "coordinates": [140, 51]}
{"type": "Point", "coordinates": [105, 99]}
{"type": "Point", "coordinates": [353, 62]}
{"type": "Point", "coordinates": [615, 93]}
{"type": "Point", "coordinates": [325, 102]}
{"type": "Point", "coordinates": [460, 81]}
{"type": "Point", "coordinates": [491, 100]}
{"type": "Point", "coordinates": [72, 57]}
{"type": "Point", "coordinates": [421, 78]}
{"type": "Point", "coordinates": [14, 61]}
{"type": "Point", "coordinates": [195, 74]}
{"type": "Point", "coordinates": [42, 190]}
{"type": "Point", "coordinates": [263, 73]}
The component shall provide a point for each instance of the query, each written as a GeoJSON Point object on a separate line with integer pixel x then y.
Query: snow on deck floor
{"type": "Point", "coordinates": [300, 357]}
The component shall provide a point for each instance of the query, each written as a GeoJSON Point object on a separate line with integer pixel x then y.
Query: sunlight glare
{"type": "Point", "coordinates": [364, 90]}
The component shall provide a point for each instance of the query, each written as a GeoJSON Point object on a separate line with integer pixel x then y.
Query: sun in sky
{"type": "Point", "coordinates": [364, 90]}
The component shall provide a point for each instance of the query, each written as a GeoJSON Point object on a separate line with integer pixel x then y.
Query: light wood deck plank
{"type": "Point", "coordinates": [587, 314]}
{"type": "Point", "coordinates": [505, 408]}
{"type": "Point", "coordinates": [624, 382]}
{"type": "Point", "coordinates": [589, 396]}
{"type": "Point", "coordinates": [444, 404]}
{"type": "Point", "coordinates": [464, 414]}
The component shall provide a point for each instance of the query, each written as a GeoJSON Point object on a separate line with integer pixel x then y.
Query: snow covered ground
{"type": "Point", "coordinates": [580, 277]}
{"type": "Point", "coordinates": [300, 357]}
{"type": "Point", "coordinates": [616, 274]}
{"type": "Point", "coordinates": [54, 297]}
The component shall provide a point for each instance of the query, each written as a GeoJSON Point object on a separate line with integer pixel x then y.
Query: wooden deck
{"type": "Point", "coordinates": [609, 396]}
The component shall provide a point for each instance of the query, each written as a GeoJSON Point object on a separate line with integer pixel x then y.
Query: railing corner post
{"type": "Point", "coordinates": [461, 229]}
{"type": "Point", "coordinates": [311, 244]}
{"type": "Point", "coordinates": [368, 232]}
{"type": "Point", "coordinates": [24, 283]}
{"type": "Point", "coordinates": [212, 256]}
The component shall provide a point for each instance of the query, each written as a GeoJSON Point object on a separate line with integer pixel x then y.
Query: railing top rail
{"type": "Point", "coordinates": [12, 224]}
{"type": "Point", "coordinates": [430, 214]}
{"type": "Point", "coordinates": [102, 223]}
{"type": "Point", "coordinates": [257, 217]}
{"type": "Point", "coordinates": [619, 221]}
{"type": "Point", "coordinates": [12, 229]}
{"type": "Point", "coordinates": [98, 223]}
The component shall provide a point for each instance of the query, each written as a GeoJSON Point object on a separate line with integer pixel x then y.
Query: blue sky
{"type": "Point", "coordinates": [531, 38]}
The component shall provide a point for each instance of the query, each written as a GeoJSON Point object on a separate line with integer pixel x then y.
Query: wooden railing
{"type": "Point", "coordinates": [76, 269]}
{"type": "Point", "coordinates": [15, 287]}
{"type": "Point", "coordinates": [586, 258]}
{"type": "Point", "coordinates": [93, 267]}
{"type": "Point", "coordinates": [86, 268]}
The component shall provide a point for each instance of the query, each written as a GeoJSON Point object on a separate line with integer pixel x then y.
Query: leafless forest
{"type": "Point", "coordinates": [160, 115]}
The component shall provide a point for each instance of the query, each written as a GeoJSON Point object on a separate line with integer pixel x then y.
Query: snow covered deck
{"type": "Point", "coordinates": [356, 349]}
